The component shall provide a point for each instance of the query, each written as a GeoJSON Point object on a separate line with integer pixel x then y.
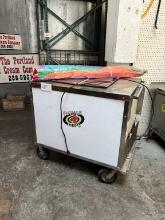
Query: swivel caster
{"type": "Point", "coordinates": [107, 175]}
{"type": "Point", "coordinates": [42, 153]}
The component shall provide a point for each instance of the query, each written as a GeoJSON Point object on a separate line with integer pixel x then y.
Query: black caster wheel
{"type": "Point", "coordinates": [107, 175]}
{"type": "Point", "coordinates": [150, 135]}
{"type": "Point", "coordinates": [42, 153]}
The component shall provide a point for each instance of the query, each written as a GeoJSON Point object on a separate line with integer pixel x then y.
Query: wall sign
{"type": "Point", "coordinates": [17, 68]}
{"type": "Point", "coordinates": [10, 42]}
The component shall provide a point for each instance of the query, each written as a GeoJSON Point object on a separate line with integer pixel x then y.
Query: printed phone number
{"type": "Point", "coordinates": [13, 78]}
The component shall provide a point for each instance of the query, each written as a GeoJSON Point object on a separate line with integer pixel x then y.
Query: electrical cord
{"type": "Point", "coordinates": [157, 14]}
{"type": "Point", "coordinates": [146, 132]}
{"type": "Point", "coordinates": [61, 102]}
{"type": "Point", "coordinates": [152, 103]}
{"type": "Point", "coordinates": [141, 85]}
{"type": "Point", "coordinates": [68, 152]}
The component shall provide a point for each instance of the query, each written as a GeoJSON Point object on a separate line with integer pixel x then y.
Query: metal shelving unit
{"type": "Point", "coordinates": [92, 37]}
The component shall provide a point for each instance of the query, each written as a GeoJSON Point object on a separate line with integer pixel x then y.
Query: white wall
{"type": "Point", "coordinates": [123, 22]}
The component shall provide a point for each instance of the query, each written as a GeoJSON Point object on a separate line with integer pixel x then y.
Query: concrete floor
{"type": "Point", "coordinates": [67, 189]}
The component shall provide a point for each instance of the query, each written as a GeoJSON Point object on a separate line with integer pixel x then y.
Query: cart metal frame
{"type": "Point", "coordinates": [109, 173]}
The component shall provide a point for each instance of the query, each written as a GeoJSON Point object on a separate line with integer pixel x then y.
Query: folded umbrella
{"type": "Point", "coordinates": [53, 72]}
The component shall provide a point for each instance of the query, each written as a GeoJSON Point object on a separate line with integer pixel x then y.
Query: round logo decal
{"type": "Point", "coordinates": [73, 119]}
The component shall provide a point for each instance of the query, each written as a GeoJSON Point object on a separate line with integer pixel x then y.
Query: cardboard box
{"type": "Point", "coordinates": [13, 103]}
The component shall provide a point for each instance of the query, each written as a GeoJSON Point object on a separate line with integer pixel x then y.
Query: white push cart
{"type": "Point", "coordinates": [94, 124]}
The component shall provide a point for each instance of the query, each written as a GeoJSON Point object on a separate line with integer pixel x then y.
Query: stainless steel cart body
{"type": "Point", "coordinates": [94, 124]}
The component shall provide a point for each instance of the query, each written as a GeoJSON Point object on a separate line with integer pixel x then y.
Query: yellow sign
{"type": "Point", "coordinates": [163, 107]}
